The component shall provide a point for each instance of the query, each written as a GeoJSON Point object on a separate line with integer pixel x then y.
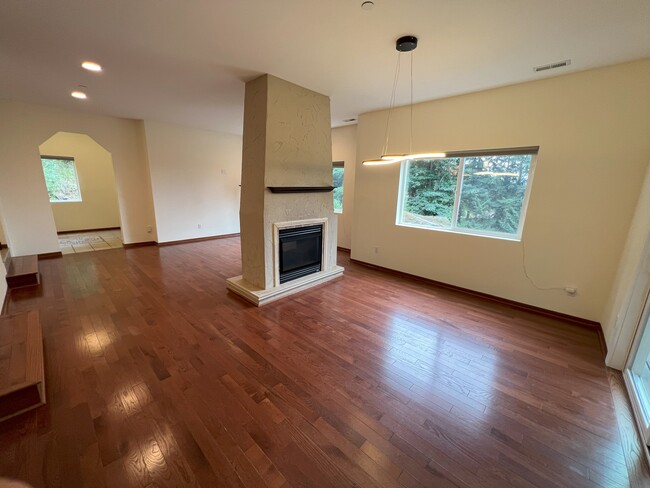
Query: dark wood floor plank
{"type": "Point", "coordinates": [157, 376]}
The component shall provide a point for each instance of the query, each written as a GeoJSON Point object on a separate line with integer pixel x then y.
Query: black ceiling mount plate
{"type": "Point", "coordinates": [406, 43]}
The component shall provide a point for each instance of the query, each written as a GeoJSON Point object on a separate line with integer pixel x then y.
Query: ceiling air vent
{"type": "Point", "coordinates": [546, 67]}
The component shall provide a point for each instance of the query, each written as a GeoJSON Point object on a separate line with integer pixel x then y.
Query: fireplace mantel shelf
{"type": "Point", "coordinates": [300, 189]}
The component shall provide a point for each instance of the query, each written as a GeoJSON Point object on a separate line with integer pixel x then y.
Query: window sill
{"type": "Point", "coordinates": [467, 232]}
{"type": "Point", "coordinates": [338, 212]}
{"type": "Point", "coordinates": [66, 201]}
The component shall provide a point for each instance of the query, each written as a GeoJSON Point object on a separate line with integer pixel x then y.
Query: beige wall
{"type": "Point", "coordinates": [29, 223]}
{"type": "Point", "coordinates": [195, 176]}
{"type": "Point", "coordinates": [344, 148]}
{"type": "Point", "coordinates": [592, 128]}
{"type": "Point", "coordinates": [99, 208]}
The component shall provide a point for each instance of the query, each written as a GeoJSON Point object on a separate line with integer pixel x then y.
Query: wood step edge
{"type": "Point", "coordinates": [34, 363]}
{"type": "Point", "coordinates": [22, 266]}
{"type": "Point", "coordinates": [23, 281]}
{"type": "Point", "coordinates": [26, 406]}
{"type": "Point", "coordinates": [35, 370]}
{"type": "Point", "coordinates": [20, 386]}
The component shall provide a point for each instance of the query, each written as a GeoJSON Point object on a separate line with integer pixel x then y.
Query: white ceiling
{"type": "Point", "coordinates": [186, 61]}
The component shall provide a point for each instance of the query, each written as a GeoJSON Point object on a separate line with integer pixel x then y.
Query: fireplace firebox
{"type": "Point", "coordinates": [300, 251]}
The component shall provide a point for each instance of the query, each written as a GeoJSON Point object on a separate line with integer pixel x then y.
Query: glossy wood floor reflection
{"type": "Point", "coordinates": [156, 376]}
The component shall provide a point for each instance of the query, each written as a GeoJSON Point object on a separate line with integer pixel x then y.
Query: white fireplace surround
{"type": "Point", "coordinates": [294, 224]}
{"type": "Point", "coordinates": [260, 297]}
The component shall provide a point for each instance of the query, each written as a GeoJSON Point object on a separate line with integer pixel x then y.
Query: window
{"type": "Point", "coordinates": [474, 192]}
{"type": "Point", "coordinates": [61, 179]}
{"type": "Point", "coordinates": [337, 183]}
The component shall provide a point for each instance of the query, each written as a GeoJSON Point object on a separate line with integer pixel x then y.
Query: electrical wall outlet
{"type": "Point", "coordinates": [376, 250]}
{"type": "Point", "coordinates": [199, 226]}
{"type": "Point", "coordinates": [149, 229]}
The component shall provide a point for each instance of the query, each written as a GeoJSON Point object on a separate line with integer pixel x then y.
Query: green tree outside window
{"type": "Point", "coordinates": [337, 183]}
{"type": "Point", "coordinates": [61, 179]}
{"type": "Point", "coordinates": [487, 198]}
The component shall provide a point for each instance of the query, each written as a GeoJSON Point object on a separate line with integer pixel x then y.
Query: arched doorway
{"type": "Point", "coordinates": [81, 187]}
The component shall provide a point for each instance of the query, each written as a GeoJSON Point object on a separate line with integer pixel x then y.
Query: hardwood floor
{"type": "Point", "coordinates": [156, 376]}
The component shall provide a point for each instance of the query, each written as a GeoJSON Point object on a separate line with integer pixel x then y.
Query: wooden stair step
{"type": "Point", "coordinates": [22, 271]}
{"type": "Point", "coordinates": [22, 382]}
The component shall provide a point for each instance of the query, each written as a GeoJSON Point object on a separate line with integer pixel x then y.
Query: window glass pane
{"type": "Point", "coordinates": [337, 183]}
{"type": "Point", "coordinates": [61, 180]}
{"type": "Point", "coordinates": [429, 190]}
{"type": "Point", "coordinates": [492, 192]}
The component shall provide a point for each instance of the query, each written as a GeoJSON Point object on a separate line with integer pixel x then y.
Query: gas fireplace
{"type": "Point", "coordinates": [300, 251]}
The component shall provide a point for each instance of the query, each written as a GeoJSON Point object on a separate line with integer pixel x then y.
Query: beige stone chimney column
{"type": "Point", "coordinates": [287, 143]}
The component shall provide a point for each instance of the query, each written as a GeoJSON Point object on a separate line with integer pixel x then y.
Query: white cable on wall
{"type": "Point", "coordinates": [532, 282]}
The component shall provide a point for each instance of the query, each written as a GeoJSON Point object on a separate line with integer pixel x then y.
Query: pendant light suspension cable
{"type": "Point", "coordinates": [404, 44]}
{"type": "Point", "coordinates": [411, 129]}
{"type": "Point", "coordinates": [391, 105]}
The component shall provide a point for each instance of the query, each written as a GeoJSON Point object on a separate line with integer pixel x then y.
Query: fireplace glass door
{"type": "Point", "coordinates": [301, 252]}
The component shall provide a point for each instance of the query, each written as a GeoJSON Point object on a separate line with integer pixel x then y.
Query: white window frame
{"type": "Point", "coordinates": [453, 228]}
{"type": "Point", "coordinates": [339, 164]}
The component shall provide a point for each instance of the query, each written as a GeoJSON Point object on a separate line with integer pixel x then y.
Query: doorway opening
{"type": "Point", "coordinates": [4, 248]}
{"type": "Point", "coordinates": [81, 187]}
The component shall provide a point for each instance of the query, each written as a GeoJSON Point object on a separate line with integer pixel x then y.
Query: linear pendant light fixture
{"type": "Point", "coordinates": [405, 44]}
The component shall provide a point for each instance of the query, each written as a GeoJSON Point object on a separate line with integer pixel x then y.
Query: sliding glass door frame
{"type": "Point", "coordinates": [632, 375]}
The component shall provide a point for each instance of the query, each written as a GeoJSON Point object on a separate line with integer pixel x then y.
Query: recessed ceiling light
{"type": "Point", "coordinates": [367, 5]}
{"type": "Point", "coordinates": [79, 94]}
{"type": "Point", "coordinates": [91, 66]}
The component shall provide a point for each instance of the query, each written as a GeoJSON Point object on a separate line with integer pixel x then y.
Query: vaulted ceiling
{"type": "Point", "coordinates": [186, 61]}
